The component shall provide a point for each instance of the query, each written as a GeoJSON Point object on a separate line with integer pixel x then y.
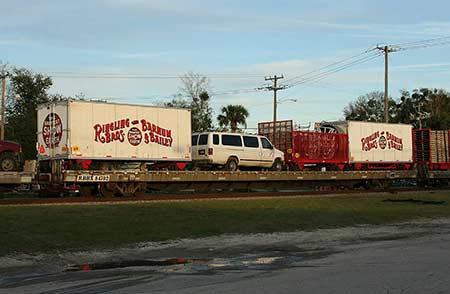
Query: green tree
{"type": "Point", "coordinates": [196, 89]}
{"type": "Point", "coordinates": [201, 113]}
{"type": "Point", "coordinates": [439, 109]}
{"type": "Point", "coordinates": [428, 108]}
{"type": "Point", "coordinates": [25, 92]}
{"type": "Point", "coordinates": [232, 115]}
{"type": "Point", "coordinates": [370, 107]}
{"type": "Point", "coordinates": [410, 108]}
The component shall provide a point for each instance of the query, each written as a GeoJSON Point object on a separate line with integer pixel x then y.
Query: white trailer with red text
{"type": "Point", "coordinates": [88, 135]}
{"type": "Point", "coordinates": [373, 145]}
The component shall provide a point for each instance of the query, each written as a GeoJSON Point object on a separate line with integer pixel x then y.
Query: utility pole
{"type": "Point", "coordinates": [2, 128]}
{"type": "Point", "coordinates": [420, 116]}
{"type": "Point", "coordinates": [275, 88]}
{"type": "Point", "coordinates": [386, 51]}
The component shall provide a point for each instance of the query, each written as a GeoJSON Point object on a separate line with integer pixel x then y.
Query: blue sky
{"type": "Point", "coordinates": [235, 43]}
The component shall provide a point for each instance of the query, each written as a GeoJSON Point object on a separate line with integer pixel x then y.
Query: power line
{"type": "Point", "coordinates": [322, 75]}
{"type": "Point", "coordinates": [325, 71]}
{"type": "Point", "coordinates": [329, 65]}
{"type": "Point", "coordinates": [236, 92]}
{"type": "Point", "coordinates": [423, 43]}
{"type": "Point", "coordinates": [144, 76]}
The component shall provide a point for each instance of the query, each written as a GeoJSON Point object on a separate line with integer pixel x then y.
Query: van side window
{"type": "Point", "coordinates": [203, 139]}
{"type": "Point", "coordinates": [216, 139]}
{"type": "Point", "coordinates": [266, 144]}
{"type": "Point", "coordinates": [194, 140]}
{"type": "Point", "coordinates": [230, 140]}
{"type": "Point", "coordinates": [251, 142]}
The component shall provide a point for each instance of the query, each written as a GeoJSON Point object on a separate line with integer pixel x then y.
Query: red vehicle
{"type": "Point", "coordinates": [432, 148]}
{"type": "Point", "coordinates": [10, 156]}
{"type": "Point", "coordinates": [307, 148]}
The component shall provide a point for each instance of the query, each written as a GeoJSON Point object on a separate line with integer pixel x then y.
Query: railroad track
{"type": "Point", "coordinates": [207, 196]}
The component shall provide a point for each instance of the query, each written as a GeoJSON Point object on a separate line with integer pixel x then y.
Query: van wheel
{"type": "Point", "coordinates": [231, 165]}
{"type": "Point", "coordinates": [277, 165]}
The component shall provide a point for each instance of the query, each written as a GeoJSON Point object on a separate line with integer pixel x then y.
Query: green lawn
{"type": "Point", "coordinates": [35, 229]}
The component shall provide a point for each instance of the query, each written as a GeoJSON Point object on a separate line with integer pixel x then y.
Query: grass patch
{"type": "Point", "coordinates": [38, 229]}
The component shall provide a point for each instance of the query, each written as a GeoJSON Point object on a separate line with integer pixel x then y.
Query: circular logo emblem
{"type": "Point", "coordinates": [382, 142]}
{"type": "Point", "coordinates": [134, 136]}
{"type": "Point", "coordinates": [52, 130]}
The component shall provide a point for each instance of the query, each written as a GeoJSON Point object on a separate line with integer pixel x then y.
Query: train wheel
{"type": "Point", "coordinates": [106, 189]}
{"type": "Point", "coordinates": [293, 166]}
{"type": "Point", "coordinates": [86, 191]}
{"type": "Point", "coordinates": [140, 190]}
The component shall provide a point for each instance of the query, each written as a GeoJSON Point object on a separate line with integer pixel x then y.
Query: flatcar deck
{"type": "Point", "coordinates": [222, 176]}
{"type": "Point", "coordinates": [15, 178]}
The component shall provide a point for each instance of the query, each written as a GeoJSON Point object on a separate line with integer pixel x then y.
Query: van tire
{"type": "Point", "coordinates": [277, 165]}
{"type": "Point", "coordinates": [232, 164]}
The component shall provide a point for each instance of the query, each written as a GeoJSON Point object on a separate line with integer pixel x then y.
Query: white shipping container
{"type": "Point", "coordinates": [379, 142]}
{"type": "Point", "coordinates": [99, 130]}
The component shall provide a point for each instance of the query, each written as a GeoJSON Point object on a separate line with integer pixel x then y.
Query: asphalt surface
{"type": "Point", "coordinates": [405, 258]}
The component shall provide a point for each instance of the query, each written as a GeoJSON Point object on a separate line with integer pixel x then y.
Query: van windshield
{"type": "Point", "coordinates": [266, 144]}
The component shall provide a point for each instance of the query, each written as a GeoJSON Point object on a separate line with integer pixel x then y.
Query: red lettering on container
{"type": "Point", "coordinates": [118, 130]}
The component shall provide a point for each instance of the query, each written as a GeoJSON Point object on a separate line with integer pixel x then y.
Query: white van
{"type": "Point", "coordinates": [231, 150]}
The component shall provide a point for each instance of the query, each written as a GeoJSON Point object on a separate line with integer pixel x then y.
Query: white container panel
{"type": "Point", "coordinates": [123, 132]}
{"type": "Point", "coordinates": [379, 142]}
{"type": "Point", "coordinates": [52, 132]}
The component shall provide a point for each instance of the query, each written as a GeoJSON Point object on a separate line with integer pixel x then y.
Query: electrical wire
{"type": "Point", "coordinates": [236, 92]}
{"type": "Point", "coordinates": [322, 75]}
{"type": "Point", "coordinates": [427, 43]}
{"type": "Point", "coordinates": [325, 71]}
{"type": "Point", "coordinates": [82, 75]}
{"type": "Point", "coordinates": [329, 65]}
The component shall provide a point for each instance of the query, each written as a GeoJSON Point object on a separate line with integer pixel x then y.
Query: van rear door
{"type": "Point", "coordinates": [202, 146]}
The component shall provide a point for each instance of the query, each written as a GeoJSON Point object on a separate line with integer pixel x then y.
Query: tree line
{"type": "Point", "coordinates": [422, 108]}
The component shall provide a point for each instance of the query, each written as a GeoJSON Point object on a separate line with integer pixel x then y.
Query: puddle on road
{"type": "Point", "coordinates": [246, 262]}
{"type": "Point", "coordinates": [112, 278]}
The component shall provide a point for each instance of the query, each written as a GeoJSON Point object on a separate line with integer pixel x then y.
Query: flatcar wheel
{"type": "Point", "coordinates": [140, 190]}
{"type": "Point", "coordinates": [106, 189]}
{"type": "Point", "coordinates": [86, 191]}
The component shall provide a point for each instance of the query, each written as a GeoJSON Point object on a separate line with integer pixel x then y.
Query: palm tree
{"type": "Point", "coordinates": [233, 115]}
